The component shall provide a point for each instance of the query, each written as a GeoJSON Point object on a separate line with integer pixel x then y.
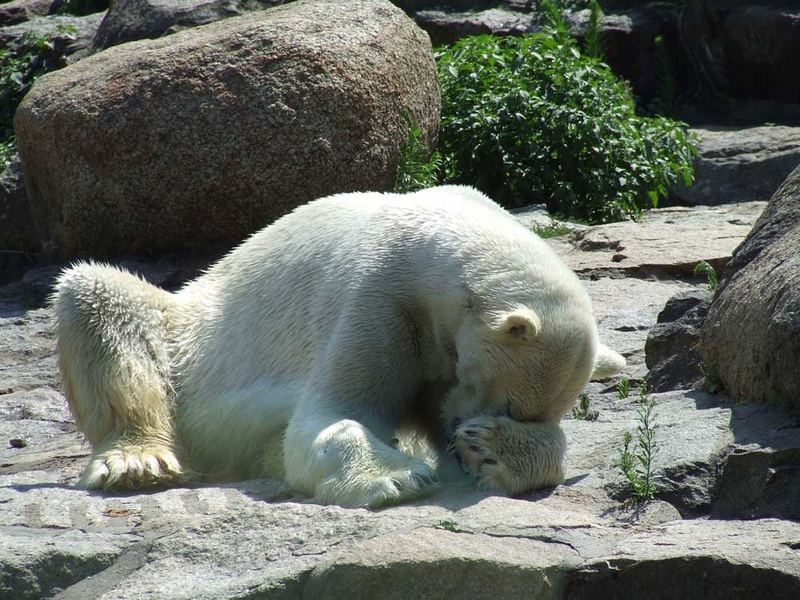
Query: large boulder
{"type": "Point", "coordinates": [205, 136]}
{"type": "Point", "coordinates": [751, 337]}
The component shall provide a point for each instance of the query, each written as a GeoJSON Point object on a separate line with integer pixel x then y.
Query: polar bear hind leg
{"type": "Point", "coordinates": [112, 329]}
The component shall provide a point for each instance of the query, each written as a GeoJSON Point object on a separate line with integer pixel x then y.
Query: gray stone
{"type": "Point", "coordinates": [257, 114]}
{"type": "Point", "coordinates": [27, 348]}
{"type": "Point", "coordinates": [33, 566]}
{"type": "Point", "coordinates": [671, 347]}
{"type": "Point", "coordinates": [456, 565]}
{"type": "Point", "coordinates": [741, 165]}
{"type": "Point", "coordinates": [255, 539]}
{"type": "Point", "coordinates": [69, 35]}
{"type": "Point", "coordinates": [761, 472]}
{"type": "Point", "coordinates": [758, 40]}
{"type": "Point", "coordinates": [19, 11]}
{"type": "Point", "coordinates": [698, 559]}
{"type": "Point", "coordinates": [448, 26]}
{"type": "Point", "coordinates": [131, 20]}
{"type": "Point", "coordinates": [751, 337]}
{"type": "Point", "coordinates": [667, 243]}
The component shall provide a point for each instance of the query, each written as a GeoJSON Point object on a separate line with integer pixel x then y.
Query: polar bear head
{"type": "Point", "coordinates": [528, 364]}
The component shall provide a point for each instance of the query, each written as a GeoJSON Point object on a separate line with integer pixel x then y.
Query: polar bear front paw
{"type": "Point", "coordinates": [474, 444]}
{"type": "Point", "coordinates": [510, 456]}
{"type": "Point", "coordinates": [378, 490]}
{"type": "Point", "coordinates": [131, 466]}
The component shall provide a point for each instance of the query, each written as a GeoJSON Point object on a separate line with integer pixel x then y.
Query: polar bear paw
{"type": "Point", "coordinates": [510, 456]}
{"type": "Point", "coordinates": [475, 444]}
{"type": "Point", "coordinates": [374, 490]}
{"type": "Point", "coordinates": [125, 465]}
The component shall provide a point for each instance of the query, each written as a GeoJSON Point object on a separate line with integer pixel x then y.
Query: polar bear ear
{"type": "Point", "coordinates": [522, 324]}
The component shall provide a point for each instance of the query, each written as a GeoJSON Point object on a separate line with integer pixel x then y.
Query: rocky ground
{"type": "Point", "coordinates": [724, 525]}
{"type": "Point", "coordinates": [725, 521]}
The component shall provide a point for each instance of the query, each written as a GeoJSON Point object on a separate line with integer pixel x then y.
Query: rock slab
{"type": "Point", "coordinates": [740, 165]}
{"type": "Point", "coordinates": [131, 20]}
{"type": "Point", "coordinates": [667, 243]}
{"type": "Point", "coordinates": [254, 539]}
{"type": "Point", "coordinates": [205, 136]}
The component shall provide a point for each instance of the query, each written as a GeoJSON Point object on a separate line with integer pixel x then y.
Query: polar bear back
{"type": "Point", "coordinates": [283, 291]}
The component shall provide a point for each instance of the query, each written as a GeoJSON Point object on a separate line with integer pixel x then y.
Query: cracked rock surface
{"type": "Point", "coordinates": [724, 523]}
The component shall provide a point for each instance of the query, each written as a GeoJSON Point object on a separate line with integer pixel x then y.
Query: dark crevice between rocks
{"type": "Point", "coordinates": [547, 539]}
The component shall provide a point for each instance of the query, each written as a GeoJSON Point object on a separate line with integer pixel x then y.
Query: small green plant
{"type": "Point", "coordinates": [711, 382]}
{"type": "Point", "coordinates": [668, 97]}
{"type": "Point", "coordinates": [552, 230]}
{"type": "Point", "coordinates": [418, 167]}
{"type": "Point", "coordinates": [529, 119]}
{"type": "Point", "coordinates": [448, 525]}
{"type": "Point", "coordinates": [553, 12]}
{"type": "Point", "coordinates": [582, 410]}
{"type": "Point", "coordinates": [704, 268]}
{"type": "Point", "coordinates": [624, 388]}
{"type": "Point", "coordinates": [636, 456]}
{"type": "Point", "coordinates": [594, 44]}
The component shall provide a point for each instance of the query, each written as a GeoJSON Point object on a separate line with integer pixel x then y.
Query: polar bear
{"type": "Point", "coordinates": [303, 352]}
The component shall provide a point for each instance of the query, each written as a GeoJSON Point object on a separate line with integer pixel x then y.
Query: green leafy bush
{"type": "Point", "coordinates": [8, 148]}
{"type": "Point", "coordinates": [418, 168]}
{"type": "Point", "coordinates": [529, 119]}
{"type": "Point", "coordinates": [20, 64]}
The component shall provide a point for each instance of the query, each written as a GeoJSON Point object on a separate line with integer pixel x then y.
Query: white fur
{"type": "Point", "coordinates": [305, 350]}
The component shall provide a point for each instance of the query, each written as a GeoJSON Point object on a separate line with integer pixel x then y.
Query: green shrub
{"type": "Point", "coordinates": [552, 230]}
{"type": "Point", "coordinates": [20, 65]}
{"type": "Point", "coordinates": [8, 148]}
{"type": "Point", "coordinates": [529, 119]}
{"type": "Point", "coordinates": [418, 168]}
